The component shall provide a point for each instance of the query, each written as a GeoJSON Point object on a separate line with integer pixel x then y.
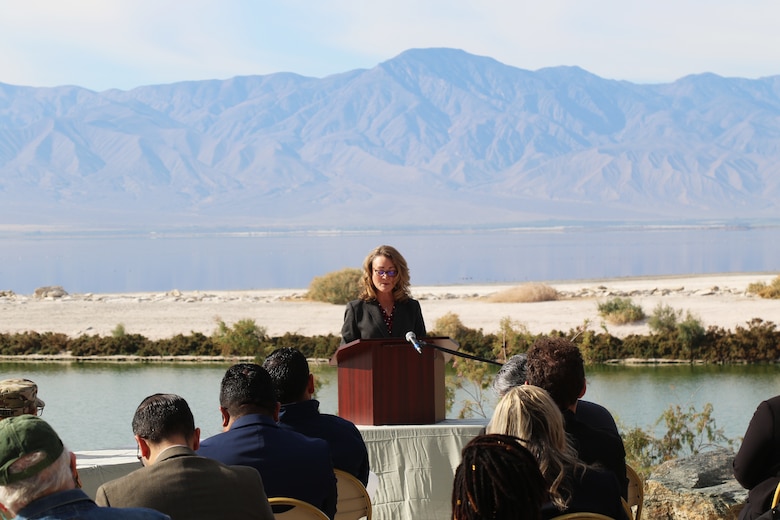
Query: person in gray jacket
{"type": "Point", "coordinates": [177, 481]}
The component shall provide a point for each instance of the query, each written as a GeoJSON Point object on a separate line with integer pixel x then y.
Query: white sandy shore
{"type": "Point", "coordinates": [718, 299]}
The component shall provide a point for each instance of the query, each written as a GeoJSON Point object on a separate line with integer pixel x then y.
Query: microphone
{"type": "Point", "coordinates": [411, 337]}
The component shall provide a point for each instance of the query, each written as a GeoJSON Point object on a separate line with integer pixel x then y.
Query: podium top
{"type": "Point", "coordinates": [359, 346]}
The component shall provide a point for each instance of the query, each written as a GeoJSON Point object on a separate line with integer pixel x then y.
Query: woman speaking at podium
{"type": "Point", "coordinates": [385, 308]}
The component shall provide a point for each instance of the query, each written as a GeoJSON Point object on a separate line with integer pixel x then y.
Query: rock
{"type": "Point", "coordinates": [50, 291]}
{"type": "Point", "coordinates": [699, 487]}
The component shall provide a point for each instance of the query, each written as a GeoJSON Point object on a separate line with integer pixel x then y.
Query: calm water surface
{"type": "Point", "coordinates": [91, 405]}
{"type": "Point", "coordinates": [158, 262]}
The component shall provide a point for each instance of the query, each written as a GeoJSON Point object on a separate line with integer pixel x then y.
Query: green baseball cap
{"type": "Point", "coordinates": [23, 435]}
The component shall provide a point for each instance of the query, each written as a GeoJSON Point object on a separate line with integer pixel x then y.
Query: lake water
{"type": "Point", "coordinates": [91, 405]}
{"type": "Point", "coordinates": [200, 261]}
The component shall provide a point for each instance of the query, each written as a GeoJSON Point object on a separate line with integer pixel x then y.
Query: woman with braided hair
{"type": "Point", "coordinates": [497, 479]}
{"type": "Point", "coordinates": [529, 413]}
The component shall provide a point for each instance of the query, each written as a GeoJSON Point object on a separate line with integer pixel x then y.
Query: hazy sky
{"type": "Point", "coordinates": [101, 44]}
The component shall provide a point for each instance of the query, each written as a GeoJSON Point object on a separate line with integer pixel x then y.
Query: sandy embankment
{"type": "Point", "coordinates": [716, 299]}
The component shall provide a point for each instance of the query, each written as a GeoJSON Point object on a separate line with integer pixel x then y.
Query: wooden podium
{"type": "Point", "coordinates": [386, 381]}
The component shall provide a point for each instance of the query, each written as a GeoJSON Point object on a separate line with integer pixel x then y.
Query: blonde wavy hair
{"type": "Point", "coordinates": [401, 290]}
{"type": "Point", "coordinates": [529, 413]}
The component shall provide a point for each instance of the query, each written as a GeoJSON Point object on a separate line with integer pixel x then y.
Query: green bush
{"type": "Point", "coordinates": [688, 432]}
{"type": "Point", "coordinates": [770, 291]}
{"type": "Point", "coordinates": [663, 319]}
{"type": "Point", "coordinates": [245, 338]}
{"type": "Point", "coordinates": [620, 311]}
{"type": "Point", "coordinates": [338, 287]}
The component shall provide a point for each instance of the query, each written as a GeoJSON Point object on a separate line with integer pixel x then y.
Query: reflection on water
{"type": "Point", "coordinates": [91, 404]}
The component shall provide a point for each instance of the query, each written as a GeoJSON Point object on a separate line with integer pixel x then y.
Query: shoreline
{"type": "Point", "coordinates": [717, 299]}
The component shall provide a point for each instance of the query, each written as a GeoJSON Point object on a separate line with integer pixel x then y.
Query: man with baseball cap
{"type": "Point", "coordinates": [38, 477]}
{"type": "Point", "coordinates": [19, 396]}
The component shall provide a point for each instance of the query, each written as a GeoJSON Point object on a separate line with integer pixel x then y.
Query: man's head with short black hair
{"type": "Point", "coordinates": [163, 416]}
{"type": "Point", "coordinates": [290, 373]}
{"type": "Point", "coordinates": [556, 365]}
{"type": "Point", "coordinates": [247, 388]}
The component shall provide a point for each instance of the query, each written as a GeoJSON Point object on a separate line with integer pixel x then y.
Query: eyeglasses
{"type": "Point", "coordinates": [382, 272]}
{"type": "Point", "coordinates": [138, 454]}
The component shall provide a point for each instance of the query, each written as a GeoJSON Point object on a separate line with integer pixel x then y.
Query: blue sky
{"type": "Point", "coordinates": [101, 44]}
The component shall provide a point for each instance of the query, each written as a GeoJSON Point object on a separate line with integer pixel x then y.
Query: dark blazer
{"type": "Point", "coordinates": [291, 464]}
{"type": "Point", "coordinates": [363, 320]}
{"type": "Point", "coordinates": [757, 463]}
{"type": "Point", "coordinates": [595, 415]}
{"type": "Point", "coordinates": [595, 491]}
{"type": "Point", "coordinates": [347, 448]}
{"type": "Point", "coordinates": [188, 487]}
{"type": "Point", "coordinates": [598, 447]}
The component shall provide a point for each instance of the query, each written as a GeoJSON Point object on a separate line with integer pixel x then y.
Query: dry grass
{"type": "Point", "coordinates": [526, 293]}
{"type": "Point", "coordinates": [620, 311]}
{"type": "Point", "coordinates": [771, 291]}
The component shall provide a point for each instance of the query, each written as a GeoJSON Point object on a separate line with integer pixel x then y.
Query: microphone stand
{"type": "Point", "coordinates": [459, 354]}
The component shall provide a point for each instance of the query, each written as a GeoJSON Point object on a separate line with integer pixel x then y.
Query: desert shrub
{"type": "Point", "coordinates": [619, 311]}
{"type": "Point", "coordinates": [687, 432]}
{"type": "Point", "coordinates": [473, 341]}
{"type": "Point", "coordinates": [322, 347]}
{"type": "Point", "coordinates": [513, 338]}
{"type": "Point", "coordinates": [338, 287]}
{"type": "Point", "coordinates": [119, 330]}
{"type": "Point", "coordinates": [771, 291]}
{"type": "Point", "coordinates": [449, 325]}
{"type": "Point", "coordinates": [526, 293]}
{"type": "Point", "coordinates": [21, 344]}
{"type": "Point", "coordinates": [664, 318]}
{"type": "Point", "coordinates": [196, 344]}
{"type": "Point", "coordinates": [90, 346]}
{"type": "Point", "coordinates": [245, 338]}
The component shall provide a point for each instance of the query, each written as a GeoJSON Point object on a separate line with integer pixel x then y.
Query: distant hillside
{"type": "Point", "coordinates": [435, 137]}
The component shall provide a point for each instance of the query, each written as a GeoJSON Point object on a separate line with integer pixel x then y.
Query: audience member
{"type": "Point", "coordinates": [529, 413]}
{"type": "Point", "coordinates": [497, 479]}
{"type": "Point", "coordinates": [512, 373]}
{"type": "Point", "coordinates": [757, 463]}
{"type": "Point", "coordinates": [38, 477]}
{"type": "Point", "coordinates": [18, 397]}
{"type": "Point", "coordinates": [294, 385]}
{"type": "Point", "coordinates": [174, 479]}
{"type": "Point", "coordinates": [556, 365]}
{"type": "Point", "coordinates": [291, 464]}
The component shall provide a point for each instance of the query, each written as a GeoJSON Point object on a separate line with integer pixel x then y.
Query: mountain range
{"type": "Point", "coordinates": [429, 138]}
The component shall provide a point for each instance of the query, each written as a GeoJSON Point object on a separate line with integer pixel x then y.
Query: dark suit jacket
{"type": "Point", "coordinates": [188, 487]}
{"type": "Point", "coordinates": [347, 448]}
{"type": "Point", "coordinates": [595, 491]}
{"type": "Point", "coordinates": [363, 320]}
{"type": "Point", "coordinates": [757, 463]}
{"type": "Point", "coordinates": [598, 447]}
{"type": "Point", "coordinates": [291, 464]}
{"type": "Point", "coordinates": [597, 416]}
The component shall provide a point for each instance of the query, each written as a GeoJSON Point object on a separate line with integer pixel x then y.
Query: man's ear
{"type": "Point", "coordinates": [225, 417]}
{"type": "Point", "coordinates": [143, 447]}
{"type": "Point", "coordinates": [195, 441]}
{"type": "Point", "coordinates": [277, 408]}
{"type": "Point", "coordinates": [74, 471]}
{"type": "Point", "coordinates": [584, 387]}
{"type": "Point", "coordinates": [310, 385]}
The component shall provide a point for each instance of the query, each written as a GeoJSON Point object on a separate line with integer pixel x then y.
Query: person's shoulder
{"type": "Point", "coordinates": [773, 402]}
{"type": "Point", "coordinates": [241, 473]}
{"type": "Point", "coordinates": [125, 481]}
{"type": "Point", "coordinates": [123, 513]}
